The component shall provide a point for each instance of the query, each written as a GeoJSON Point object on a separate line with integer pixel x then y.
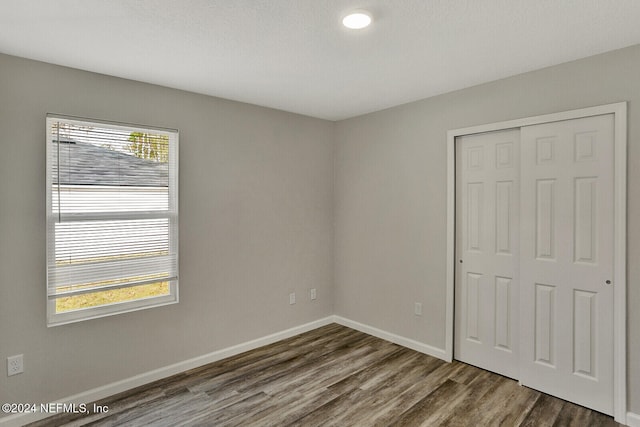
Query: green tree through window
{"type": "Point", "coordinates": [149, 146]}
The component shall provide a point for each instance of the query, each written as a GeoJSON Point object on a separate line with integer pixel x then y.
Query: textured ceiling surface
{"type": "Point", "coordinates": [295, 55]}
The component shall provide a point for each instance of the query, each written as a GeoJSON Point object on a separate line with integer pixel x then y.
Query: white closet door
{"type": "Point", "coordinates": [486, 282]}
{"type": "Point", "coordinates": [566, 267]}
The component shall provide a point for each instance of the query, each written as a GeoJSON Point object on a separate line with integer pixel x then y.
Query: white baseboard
{"type": "Point", "coordinates": [388, 336]}
{"type": "Point", "coordinates": [633, 420]}
{"type": "Point", "coordinates": [157, 374]}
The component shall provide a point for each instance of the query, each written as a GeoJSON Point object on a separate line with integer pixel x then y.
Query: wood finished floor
{"type": "Point", "coordinates": [335, 376]}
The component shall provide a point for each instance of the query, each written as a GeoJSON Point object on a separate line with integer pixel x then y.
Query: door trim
{"type": "Point", "coordinates": [619, 110]}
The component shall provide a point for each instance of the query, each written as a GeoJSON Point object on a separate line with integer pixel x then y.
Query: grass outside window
{"type": "Point", "coordinates": [111, 296]}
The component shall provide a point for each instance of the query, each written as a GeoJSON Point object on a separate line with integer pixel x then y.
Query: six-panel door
{"type": "Point", "coordinates": [566, 264]}
{"type": "Point", "coordinates": [534, 256]}
{"type": "Point", "coordinates": [487, 190]}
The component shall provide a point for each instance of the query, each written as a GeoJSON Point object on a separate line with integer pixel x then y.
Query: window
{"type": "Point", "coordinates": [112, 218]}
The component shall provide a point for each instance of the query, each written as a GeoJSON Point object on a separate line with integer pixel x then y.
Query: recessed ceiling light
{"type": "Point", "coordinates": [357, 20]}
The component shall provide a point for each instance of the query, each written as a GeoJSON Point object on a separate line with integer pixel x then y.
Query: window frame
{"type": "Point", "coordinates": [54, 318]}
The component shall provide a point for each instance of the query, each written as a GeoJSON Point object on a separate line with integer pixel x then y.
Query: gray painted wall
{"type": "Point", "coordinates": [390, 193]}
{"type": "Point", "coordinates": [256, 212]}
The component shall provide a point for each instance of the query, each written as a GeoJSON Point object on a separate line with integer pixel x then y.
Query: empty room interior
{"type": "Point", "coordinates": [344, 213]}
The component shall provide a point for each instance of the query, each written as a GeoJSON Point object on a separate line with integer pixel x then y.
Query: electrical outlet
{"type": "Point", "coordinates": [417, 309]}
{"type": "Point", "coordinates": [292, 298]}
{"type": "Point", "coordinates": [15, 365]}
{"type": "Point", "coordinates": [313, 294]}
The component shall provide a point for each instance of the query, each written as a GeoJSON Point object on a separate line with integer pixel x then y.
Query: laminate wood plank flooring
{"type": "Point", "coordinates": [334, 376]}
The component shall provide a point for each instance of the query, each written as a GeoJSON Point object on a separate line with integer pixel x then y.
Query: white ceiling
{"type": "Point", "coordinates": [295, 55]}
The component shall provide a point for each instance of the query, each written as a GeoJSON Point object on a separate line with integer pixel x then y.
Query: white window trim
{"type": "Point", "coordinates": [57, 319]}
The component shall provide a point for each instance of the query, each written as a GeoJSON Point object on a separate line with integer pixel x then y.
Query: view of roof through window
{"type": "Point", "coordinates": [102, 156]}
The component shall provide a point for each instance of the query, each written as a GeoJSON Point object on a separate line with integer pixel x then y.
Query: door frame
{"type": "Point", "coordinates": [619, 110]}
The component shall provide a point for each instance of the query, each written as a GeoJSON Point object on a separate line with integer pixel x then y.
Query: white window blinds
{"type": "Point", "coordinates": [112, 207]}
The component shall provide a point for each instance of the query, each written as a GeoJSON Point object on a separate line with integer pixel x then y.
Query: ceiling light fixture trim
{"type": "Point", "coordinates": [357, 20]}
